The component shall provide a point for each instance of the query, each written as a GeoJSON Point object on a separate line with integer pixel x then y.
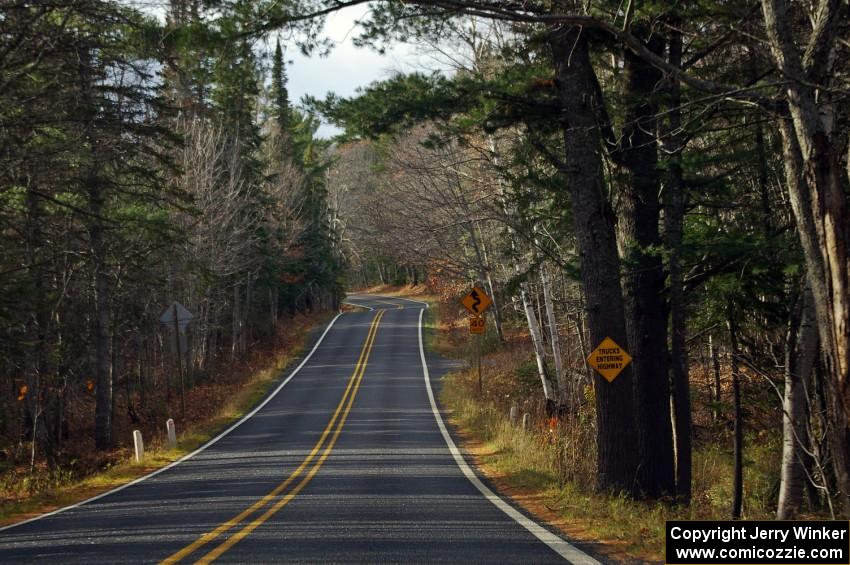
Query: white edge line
{"type": "Point", "coordinates": [410, 300]}
{"type": "Point", "coordinates": [555, 543]}
{"type": "Point", "coordinates": [392, 297]}
{"type": "Point", "coordinates": [200, 449]}
{"type": "Point", "coordinates": [346, 301]}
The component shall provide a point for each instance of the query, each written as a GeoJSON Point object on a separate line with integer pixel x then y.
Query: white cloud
{"type": "Point", "coordinates": [347, 67]}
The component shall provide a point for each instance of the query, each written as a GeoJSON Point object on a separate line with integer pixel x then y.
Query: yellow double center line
{"type": "Point", "coordinates": [332, 430]}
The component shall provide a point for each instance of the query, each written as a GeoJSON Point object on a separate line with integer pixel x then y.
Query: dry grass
{"type": "Point", "coordinates": [550, 467]}
{"type": "Point", "coordinates": [534, 462]}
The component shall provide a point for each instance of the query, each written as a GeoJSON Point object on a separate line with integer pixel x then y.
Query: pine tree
{"type": "Point", "coordinates": [282, 111]}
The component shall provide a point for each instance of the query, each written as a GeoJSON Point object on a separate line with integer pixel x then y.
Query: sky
{"type": "Point", "coordinates": [343, 70]}
{"type": "Point", "coordinates": [347, 67]}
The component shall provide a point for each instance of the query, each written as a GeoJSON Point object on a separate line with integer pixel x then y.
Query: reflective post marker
{"type": "Point", "coordinates": [139, 446]}
{"type": "Point", "coordinates": [172, 434]}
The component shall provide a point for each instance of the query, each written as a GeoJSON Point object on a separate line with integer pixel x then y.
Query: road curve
{"type": "Point", "coordinates": [349, 462]}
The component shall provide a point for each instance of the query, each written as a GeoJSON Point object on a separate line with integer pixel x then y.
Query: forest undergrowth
{"type": "Point", "coordinates": [211, 406]}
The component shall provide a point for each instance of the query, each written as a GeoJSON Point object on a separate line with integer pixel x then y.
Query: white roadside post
{"type": "Point", "coordinates": [172, 434]}
{"type": "Point", "coordinates": [139, 445]}
{"type": "Point", "coordinates": [514, 414]}
{"type": "Point", "coordinates": [526, 421]}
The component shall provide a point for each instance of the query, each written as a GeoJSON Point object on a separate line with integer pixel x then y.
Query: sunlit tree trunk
{"type": "Point", "coordinates": [564, 386]}
{"type": "Point", "coordinates": [674, 214]}
{"type": "Point", "coordinates": [738, 435]}
{"type": "Point", "coordinates": [818, 190]}
{"type": "Point", "coordinates": [800, 357]}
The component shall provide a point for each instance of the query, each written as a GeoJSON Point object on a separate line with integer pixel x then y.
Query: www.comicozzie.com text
{"type": "Point", "coordinates": [727, 534]}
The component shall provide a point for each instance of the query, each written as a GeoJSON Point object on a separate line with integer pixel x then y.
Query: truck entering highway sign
{"type": "Point", "coordinates": [609, 359]}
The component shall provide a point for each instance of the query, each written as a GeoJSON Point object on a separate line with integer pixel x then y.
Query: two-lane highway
{"type": "Point", "coordinates": [348, 461]}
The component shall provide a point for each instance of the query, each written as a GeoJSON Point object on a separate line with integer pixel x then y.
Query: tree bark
{"type": "Point", "coordinates": [497, 300]}
{"type": "Point", "coordinates": [537, 342]}
{"type": "Point", "coordinates": [103, 365]}
{"type": "Point", "coordinates": [738, 447]}
{"type": "Point", "coordinates": [96, 199]}
{"type": "Point", "coordinates": [485, 269]}
{"type": "Point", "coordinates": [36, 357]}
{"type": "Point", "coordinates": [644, 283]}
{"type": "Point", "coordinates": [800, 357]}
{"type": "Point", "coordinates": [564, 391]}
{"type": "Point", "coordinates": [817, 186]}
{"type": "Point", "coordinates": [812, 220]}
{"type": "Point", "coordinates": [527, 306]}
{"type": "Point", "coordinates": [715, 366]}
{"type": "Point", "coordinates": [594, 227]}
{"type": "Point", "coordinates": [236, 323]}
{"type": "Point", "coordinates": [674, 214]}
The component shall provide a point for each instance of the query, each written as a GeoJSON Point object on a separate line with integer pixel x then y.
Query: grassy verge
{"type": "Point", "coordinates": [549, 467]}
{"type": "Point", "coordinates": [22, 500]}
{"type": "Point", "coordinates": [529, 466]}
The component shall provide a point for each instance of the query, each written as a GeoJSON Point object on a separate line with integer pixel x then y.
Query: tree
{"type": "Point", "coordinates": [133, 172]}
{"type": "Point", "coordinates": [818, 189]}
{"type": "Point", "coordinates": [815, 181]}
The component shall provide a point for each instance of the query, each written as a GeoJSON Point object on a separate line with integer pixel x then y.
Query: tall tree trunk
{"type": "Point", "coordinates": [36, 370]}
{"type": "Point", "coordinates": [96, 199]}
{"type": "Point", "coordinates": [246, 316]}
{"type": "Point", "coordinates": [102, 339]}
{"type": "Point", "coordinates": [480, 247]}
{"type": "Point", "coordinates": [236, 322]}
{"type": "Point", "coordinates": [497, 300]}
{"type": "Point", "coordinates": [800, 357]}
{"type": "Point", "coordinates": [537, 342]}
{"type": "Point", "coordinates": [564, 391]}
{"type": "Point", "coordinates": [644, 283]}
{"type": "Point", "coordinates": [820, 275]}
{"type": "Point", "coordinates": [715, 369]}
{"type": "Point", "coordinates": [528, 308]}
{"type": "Point", "coordinates": [674, 214]}
{"type": "Point", "coordinates": [818, 191]}
{"type": "Point", "coordinates": [762, 168]}
{"type": "Point", "coordinates": [600, 267]}
{"type": "Point", "coordinates": [738, 447]}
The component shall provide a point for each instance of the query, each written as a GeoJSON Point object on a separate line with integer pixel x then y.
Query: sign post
{"type": "Point", "coordinates": [477, 302]}
{"type": "Point", "coordinates": [179, 361]}
{"type": "Point", "coordinates": [480, 386]}
{"type": "Point", "coordinates": [178, 317]}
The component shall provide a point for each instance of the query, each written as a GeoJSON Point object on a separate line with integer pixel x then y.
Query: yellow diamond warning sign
{"type": "Point", "coordinates": [476, 301]}
{"type": "Point", "coordinates": [609, 359]}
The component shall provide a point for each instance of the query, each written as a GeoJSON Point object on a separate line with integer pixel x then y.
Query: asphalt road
{"type": "Point", "coordinates": [349, 462]}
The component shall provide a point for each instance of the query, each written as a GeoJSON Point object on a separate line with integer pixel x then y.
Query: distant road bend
{"type": "Point", "coordinates": [347, 461]}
